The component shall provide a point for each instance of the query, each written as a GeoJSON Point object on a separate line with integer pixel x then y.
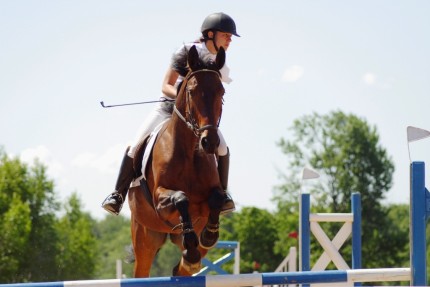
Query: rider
{"type": "Point", "coordinates": [217, 30]}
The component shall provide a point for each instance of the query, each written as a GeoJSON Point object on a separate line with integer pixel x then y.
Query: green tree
{"type": "Point", "coordinates": [346, 151]}
{"type": "Point", "coordinates": [27, 211]}
{"type": "Point", "coordinates": [114, 237]}
{"type": "Point", "coordinates": [166, 259]}
{"type": "Point", "coordinates": [114, 240]}
{"type": "Point", "coordinates": [15, 224]}
{"type": "Point", "coordinates": [287, 225]}
{"type": "Point", "coordinates": [256, 231]}
{"type": "Point", "coordinates": [77, 246]}
{"type": "Point", "coordinates": [399, 235]}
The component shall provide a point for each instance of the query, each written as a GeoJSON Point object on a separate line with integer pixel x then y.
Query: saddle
{"type": "Point", "coordinates": [138, 175]}
{"type": "Point", "coordinates": [141, 161]}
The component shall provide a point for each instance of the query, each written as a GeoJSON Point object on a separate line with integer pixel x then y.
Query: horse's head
{"type": "Point", "coordinates": [200, 99]}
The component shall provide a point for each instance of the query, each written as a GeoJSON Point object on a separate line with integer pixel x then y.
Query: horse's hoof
{"type": "Point", "coordinates": [175, 270]}
{"type": "Point", "coordinates": [208, 239]}
{"type": "Point", "coordinates": [190, 268]}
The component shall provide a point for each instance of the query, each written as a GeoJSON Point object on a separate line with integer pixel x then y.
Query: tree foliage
{"type": "Point", "coordinates": [27, 211]}
{"type": "Point", "coordinates": [76, 245]}
{"type": "Point", "coordinates": [43, 240]}
{"type": "Point", "coordinates": [16, 228]}
{"type": "Point", "coordinates": [256, 231]}
{"type": "Point", "coordinates": [346, 151]}
{"type": "Point", "coordinates": [33, 237]}
{"type": "Point", "coordinates": [287, 225]}
{"type": "Point", "coordinates": [113, 237]}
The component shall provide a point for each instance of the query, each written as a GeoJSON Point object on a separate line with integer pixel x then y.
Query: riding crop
{"type": "Point", "coordinates": [132, 104]}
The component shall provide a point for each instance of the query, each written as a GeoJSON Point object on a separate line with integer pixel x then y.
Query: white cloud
{"type": "Point", "coordinates": [107, 162]}
{"type": "Point", "coordinates": [293, 73]}
{"type": "Point", "coordinates": [369, 78]}
{"type": "Point", "coordinates": [44, 155]}
{"type": "Point", "coordinates": [84, 159]}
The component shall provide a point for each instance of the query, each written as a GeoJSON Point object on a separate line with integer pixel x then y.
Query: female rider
{"type": "Point", "coordinates": [217, 30]}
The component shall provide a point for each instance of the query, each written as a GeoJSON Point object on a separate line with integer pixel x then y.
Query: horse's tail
{"type": "Point", "coordinates": [129, 258]}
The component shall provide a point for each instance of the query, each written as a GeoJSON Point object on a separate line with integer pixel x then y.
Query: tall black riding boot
{"type": "Point", "coordinates": [113, 203]}
{"type": "Point", "coordinates": [223, 168]}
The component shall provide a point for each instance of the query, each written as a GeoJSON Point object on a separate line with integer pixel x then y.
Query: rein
{"type": "Point", "coordinates": [191, 122]}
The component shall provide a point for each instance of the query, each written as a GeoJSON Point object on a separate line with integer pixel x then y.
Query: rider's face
{"type": "Point", "coordinates": [223, 39]}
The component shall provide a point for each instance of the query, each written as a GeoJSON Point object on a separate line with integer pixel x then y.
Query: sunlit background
{"type": "Point", "coordinates": [59, 59]}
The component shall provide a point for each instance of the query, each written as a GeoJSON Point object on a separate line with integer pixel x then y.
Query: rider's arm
{"type": "Point", "coordinates": [168, 88]}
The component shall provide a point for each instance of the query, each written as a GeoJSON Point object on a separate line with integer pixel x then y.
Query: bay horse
{"type": "Point", "coordinates": [186, 195]}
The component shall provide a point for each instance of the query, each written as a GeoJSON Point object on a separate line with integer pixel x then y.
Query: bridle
{"type": "Point", "coordinates": [189, 119]}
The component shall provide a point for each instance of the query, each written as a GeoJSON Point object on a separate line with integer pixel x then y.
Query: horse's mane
{"type": "Point", "coordinates": [180, 65]}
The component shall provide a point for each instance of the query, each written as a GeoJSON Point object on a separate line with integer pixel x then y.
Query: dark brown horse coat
{"type": "Point", "coordinates": [182, 176]}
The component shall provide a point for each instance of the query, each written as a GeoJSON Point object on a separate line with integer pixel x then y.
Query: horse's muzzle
{"type": "Point", "coordinates": [209, 140]}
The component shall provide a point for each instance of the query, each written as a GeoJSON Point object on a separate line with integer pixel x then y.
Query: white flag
{"type": "Point", "coordinates": [415, 134]}
{"type": "Point", "coordinates": [309, 173]}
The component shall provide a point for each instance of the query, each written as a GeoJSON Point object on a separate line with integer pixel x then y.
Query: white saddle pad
{"type": "Point", "coordinates": [147, 153]}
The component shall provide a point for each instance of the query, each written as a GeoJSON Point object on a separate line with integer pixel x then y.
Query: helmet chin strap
{"type": "Point", "coordinates": [213, 41]}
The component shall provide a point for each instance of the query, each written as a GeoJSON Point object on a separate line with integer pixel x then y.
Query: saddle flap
{"type": "Point", "coordinates": [144, 152]}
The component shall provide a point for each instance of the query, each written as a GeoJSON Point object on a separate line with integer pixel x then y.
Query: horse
{"type": "Point", "coordinates": [186, 195]}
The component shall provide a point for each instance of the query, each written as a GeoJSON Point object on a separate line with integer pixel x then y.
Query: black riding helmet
{"type": "Point", "coordinates": [219, 22]}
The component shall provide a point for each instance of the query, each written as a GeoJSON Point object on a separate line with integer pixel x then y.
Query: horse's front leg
{"type": "Point", "coordinates": [190, 255]}
{"type": "Point", "coordinates": [210, 234]}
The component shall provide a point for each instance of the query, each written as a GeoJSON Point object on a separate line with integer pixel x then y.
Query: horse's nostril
{"type": "Point", "coordinates": [209, 142]}
{"type": "Point", "coordinates": [204, 142]}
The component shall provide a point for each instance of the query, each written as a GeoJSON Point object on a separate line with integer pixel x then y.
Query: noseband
{"type": "Point", "coordinates": [189, 119]}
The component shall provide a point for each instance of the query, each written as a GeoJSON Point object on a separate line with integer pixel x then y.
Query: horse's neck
{"type": "Point", "coordinates": [182, 136]}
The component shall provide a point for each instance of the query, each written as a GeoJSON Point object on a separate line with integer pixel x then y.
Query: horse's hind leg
{"type": "Point", "coordinates": [146, 244]}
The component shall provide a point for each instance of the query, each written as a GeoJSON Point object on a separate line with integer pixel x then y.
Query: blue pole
{"type": "Point", "coordinates": [281, 278]}
{"type": "Point", "coordinates": [305, 233]}
{"type": "Point", "coordinates": [305, 236]}
{"type": "Point", "coordinates": [418, 216]}
{"type": "Point", "coordinates": [227, 244]}
{"type": "Point", "coordinates": [356, 232]}
{"type": "Point", "coordinates": [305, 278]}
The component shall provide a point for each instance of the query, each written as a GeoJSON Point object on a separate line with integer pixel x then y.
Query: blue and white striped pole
{"type": "Point", "coordinates": [254, 279]}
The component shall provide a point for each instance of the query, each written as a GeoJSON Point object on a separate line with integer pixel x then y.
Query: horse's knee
{"type": "Point", "coordinates": [170, 201]}
{"type": "Point", "coordinates": [179, 199]}
{"type": "Point", "coordinates": [181, 202]}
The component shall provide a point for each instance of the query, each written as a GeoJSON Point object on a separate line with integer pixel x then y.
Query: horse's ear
{"type": "Point", "coordinates": [220, 58]}
{"type": "Point", "coordinates": [193, 58]}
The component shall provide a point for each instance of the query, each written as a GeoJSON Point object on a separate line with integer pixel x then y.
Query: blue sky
{"type": "Point", "coordinates": [59, 59]}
